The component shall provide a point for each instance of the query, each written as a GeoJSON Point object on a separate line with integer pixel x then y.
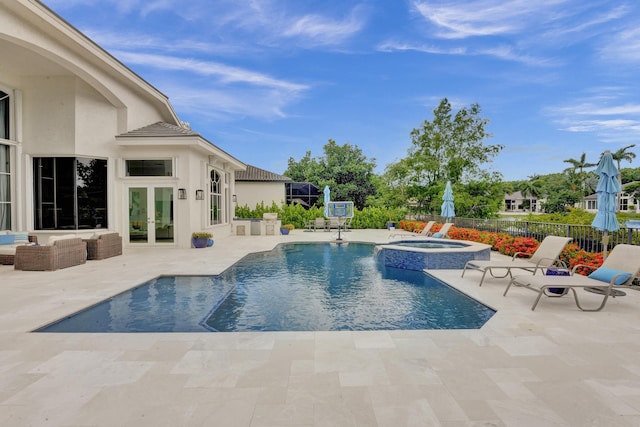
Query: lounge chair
{"type": "Point", "coordinates": [443, 233]}
{"type": "Point", "coordinates": [546, 255]}
{"type": "Point", "coordinates": [317, 223]}
{"type": "Point", "coordinates": [619, 270]}
{"type": "Point", "coordinates": [425, 232]}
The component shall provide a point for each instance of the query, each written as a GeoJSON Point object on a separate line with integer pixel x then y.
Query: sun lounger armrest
{"type": "Point", "coordinates": [577, 266]}
{"type": "Point", "coordinates": [520, 255]}
{"type": "Point", "coordinates": [553, 261]}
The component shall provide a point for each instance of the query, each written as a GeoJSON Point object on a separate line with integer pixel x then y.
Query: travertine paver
{"type": "Point", "coordinates": [556, 366]}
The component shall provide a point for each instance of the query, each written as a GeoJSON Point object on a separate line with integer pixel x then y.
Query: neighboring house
{"type": "Point", "coordinates": [86, 144]}
{"type": "Point", "coordinates": [255, 186]}
{"type": "Point", "coordinates": [515, 202]}
{"type": "Point", "coordinates": [626, 203]}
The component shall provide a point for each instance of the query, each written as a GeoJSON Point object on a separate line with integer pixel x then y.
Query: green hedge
{"type": "Point", "coordinates": [297, 215]}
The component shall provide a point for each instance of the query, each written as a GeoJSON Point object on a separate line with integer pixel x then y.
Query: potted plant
{"type": "Point", "coordinates": [285, 229]}
{"type": "Point", "coordinates": [200, 239]}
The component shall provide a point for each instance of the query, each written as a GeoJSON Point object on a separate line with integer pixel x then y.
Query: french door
{"type": "Point", "coordinates": [151, 215]}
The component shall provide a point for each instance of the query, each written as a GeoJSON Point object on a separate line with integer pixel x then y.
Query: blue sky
{"type": "Point", "coordinates": [266, 80]}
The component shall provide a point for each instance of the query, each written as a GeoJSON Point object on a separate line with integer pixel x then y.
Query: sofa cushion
{"type": "Point", "coordinates": [7, 249]}
{"type": "Point", "coordinates": [53, 239]}
{"type": "Point", "coordinates": [7, 239]}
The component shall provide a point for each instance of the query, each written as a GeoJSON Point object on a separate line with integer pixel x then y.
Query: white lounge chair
{"type": "Point", "coordinates": [426, 231]}
{"type": "Point", "coordinates": [619, 270]}
{"type": "Point", "coordinates": [546, 255]}
{"type": "Point", "coordinates": [443, 233]}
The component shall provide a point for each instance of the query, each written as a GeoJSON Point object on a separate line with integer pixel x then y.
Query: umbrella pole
{"type": "Point", "coordinates": [605, 243]}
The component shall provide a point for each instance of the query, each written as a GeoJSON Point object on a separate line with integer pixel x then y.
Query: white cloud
{"type": "Point", "coordinates": [224, 73]}
{"type": "Point", "coordinates": [503, 52]}
{"type": "Point", "coordinates": [226, 104]}
{"type": "Point", "coordinates": [606, 113]}
{"type": "Point", "coordinates": [462, 19]}
{"type": "Point", "coordinates": [623, 46]}
{"type": "Point", "coordinates": [320, 30]}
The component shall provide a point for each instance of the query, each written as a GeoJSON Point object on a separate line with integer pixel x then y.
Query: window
{"type": "Point", "coordinates": [215, 191]}
{"type": "Point", "coordinates": [149, 167]}
{"type": "Point", "coordinates": [5, 188]}
{"type": "Point", "coordinates": [70, 193]}
{"type": "Point", "coordinates": [624, 204]}
{"type": "Point", "coordinates": [4, 115]}
{"type": "Point", "coordinates": [592, 204]}
{"type": "Point", "coordinates": [301, 192]}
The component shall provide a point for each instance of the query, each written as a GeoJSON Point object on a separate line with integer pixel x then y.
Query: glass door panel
{"type": "Point", "coordinates": [163, 214]}
{"type": "Point", "coordinates": [138, 215]}
{"type": "Point", "coordinates": [151, 215]}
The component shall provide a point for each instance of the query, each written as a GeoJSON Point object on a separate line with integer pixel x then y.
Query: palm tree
{"type": "Point", "coordinates": [623, 154]}
{"type": "Point", "coordinates": [619, 156]}
{"type": "Point", "coordinates": [531, 188]}
{"type": "Point", "coordinates": [580, 164]}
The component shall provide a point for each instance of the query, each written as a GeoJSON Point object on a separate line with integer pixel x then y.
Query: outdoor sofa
{"type": "Point", "coordinates": [9, 241]}
{"type": "Point", "coordinates": [60, 252]}
{"type": "Point", "coordinates": [101, 246]}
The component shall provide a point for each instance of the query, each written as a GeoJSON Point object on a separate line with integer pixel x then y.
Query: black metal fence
{"type": "Point", "coordinates": [585, 236]}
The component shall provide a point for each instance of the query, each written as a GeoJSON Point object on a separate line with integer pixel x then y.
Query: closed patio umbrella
{"type": "Point", "coordinates": [327, 199]}
{"type": "Point", "coordinates": [608, 187]}
{"type": "Point", "coordinates": [447, 209]}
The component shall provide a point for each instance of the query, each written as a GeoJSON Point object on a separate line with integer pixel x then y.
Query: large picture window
{"type": "Point", "coordinates": [5, 188]}
{"type": "Point", "coordinates": [70, 193]}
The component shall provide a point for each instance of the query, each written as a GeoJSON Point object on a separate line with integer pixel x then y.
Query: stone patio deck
{"type": "Point", "coordinates": [556, 366]}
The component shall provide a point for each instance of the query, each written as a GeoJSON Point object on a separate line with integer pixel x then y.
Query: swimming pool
{"type": "Point", "coordinates": [295, 287]}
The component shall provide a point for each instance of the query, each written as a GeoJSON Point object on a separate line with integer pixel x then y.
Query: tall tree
{"type": "Point", "coordinates": [344, 168]}
{"type": "Point", "coordinates": [450, 147]}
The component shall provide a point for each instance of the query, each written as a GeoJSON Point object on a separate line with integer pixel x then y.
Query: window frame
{"type": "Point", "coordinates": [86, 205]}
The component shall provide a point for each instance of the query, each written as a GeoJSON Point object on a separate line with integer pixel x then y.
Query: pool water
{"type": "Point", "coordinates": [295, 287]}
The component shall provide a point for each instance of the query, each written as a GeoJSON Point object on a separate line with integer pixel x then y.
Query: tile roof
{"type": "Point", "coordinates": [256, 174]}
{"type": "Point", "coordinates": [161, 129]}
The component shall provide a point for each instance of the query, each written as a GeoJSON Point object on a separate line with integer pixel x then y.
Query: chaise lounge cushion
{"type": "Point", "coordinates": [606, 274]}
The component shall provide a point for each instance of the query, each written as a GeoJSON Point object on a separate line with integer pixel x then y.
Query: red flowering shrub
{"type": "Point", "coordinates": [572, 255]}
{"type": "Point", "coordinates": [506, 244]}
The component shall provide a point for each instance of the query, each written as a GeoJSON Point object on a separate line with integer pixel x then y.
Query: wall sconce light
{"type": "Point", "coordinates": [234, 198]}
{"type": "Point", "coordinates": [199, 195]}
{"type": "Point", "coordinates": [182, 193]}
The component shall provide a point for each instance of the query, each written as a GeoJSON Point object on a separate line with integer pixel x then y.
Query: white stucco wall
{"type": "Point", "coordinates": [253, 193]}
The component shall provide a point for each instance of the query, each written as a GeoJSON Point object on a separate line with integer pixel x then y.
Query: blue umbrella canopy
{"type": "Point", "coordinates": [447, 209]}
{"type": "Point", "coordinates": [607, 189]}
{"type": "Point", "coordinates": [327, 199]}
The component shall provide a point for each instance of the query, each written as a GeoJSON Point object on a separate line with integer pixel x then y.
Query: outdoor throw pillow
{"type": "Point", "coordinates": [606, 274]}
{"type": "Point", "coordinates": [6, 239]}
{"type": "Point", "coordinates": [21, 238]}
{"type": "Point", "coordinates": [437, 235]}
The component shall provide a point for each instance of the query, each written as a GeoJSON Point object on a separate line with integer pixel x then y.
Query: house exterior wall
{"type": "Point", "coordinates": [253, 193]}
{"type": "Point", "coordinates": [71, 99]}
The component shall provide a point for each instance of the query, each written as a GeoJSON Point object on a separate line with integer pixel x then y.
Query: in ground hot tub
{"type": "Point", "coordinates": [431, 254]}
